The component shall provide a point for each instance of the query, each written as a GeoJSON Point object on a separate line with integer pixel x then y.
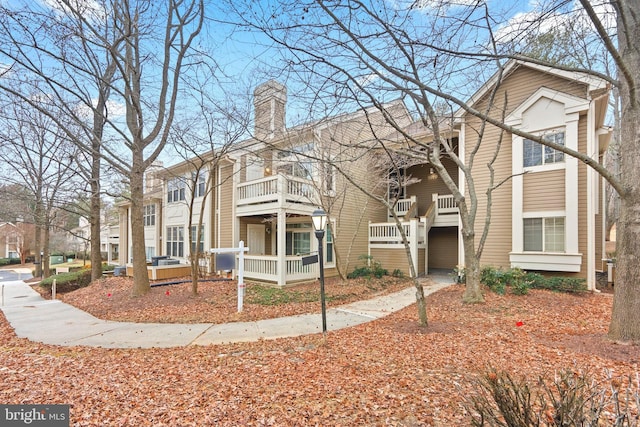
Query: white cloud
{"type": "Point", "coordinates": [537, 20]}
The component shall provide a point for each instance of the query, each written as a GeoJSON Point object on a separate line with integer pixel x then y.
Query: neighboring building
{"type": "Point", "coordinates": [548, 217]}
{"type": "Point", "coordinates": [16, 240]}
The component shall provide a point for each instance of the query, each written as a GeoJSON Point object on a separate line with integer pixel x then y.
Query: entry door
{"type": "Point", "coordinates": [255, 238]}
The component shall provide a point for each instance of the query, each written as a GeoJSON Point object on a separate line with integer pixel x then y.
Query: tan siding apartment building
{"type": "Point", "coordinates": [547, 215]}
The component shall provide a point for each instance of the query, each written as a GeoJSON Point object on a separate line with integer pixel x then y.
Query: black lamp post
{"type": "Point", "coordinates": [319, 218]}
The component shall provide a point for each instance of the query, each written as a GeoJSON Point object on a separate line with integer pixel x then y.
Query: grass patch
{"type": "Point", "coordinates": [267, 295]}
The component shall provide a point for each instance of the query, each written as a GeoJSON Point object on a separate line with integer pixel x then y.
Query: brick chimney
{"type": "Point", "coordinates": [269, 102]}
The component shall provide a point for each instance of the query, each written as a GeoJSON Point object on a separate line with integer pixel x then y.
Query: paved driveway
{"type": "Point", "coordinates": [10, 275]}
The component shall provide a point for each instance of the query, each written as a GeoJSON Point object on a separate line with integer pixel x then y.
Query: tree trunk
{"type": "Point", "coordinates": [625, 322]}
{"type": "Point", "coordinates": [141, 283]}
{"type": "Point", "coordinates": [45, 247]}
{"type": "Point", "coordinates": [95, 220]}
{"type": "Point", "coordinates": [473, 289]}
{"type": "Point", "coordinates": [421, 303]}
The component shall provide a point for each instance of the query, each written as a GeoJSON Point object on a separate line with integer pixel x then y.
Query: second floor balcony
{"type": "Point", "coordinates": [272, 192]}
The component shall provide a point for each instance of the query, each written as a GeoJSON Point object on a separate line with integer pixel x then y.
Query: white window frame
{"type": "Point", "coordinates": [192, 243]}
{"type": "Point", "coordinates": [533, 115]}
{"type": "Point", "coordinates": [174, 240]}
{"type": "Point", "coordinates": [544, 237]}
{"type": "Point", "coordinates": [175, 190]}
{"type": "Point", "coordinates": [149, 215]}
{"type": "Point", "coordinates": [545, 151]}
{"type": "Point", "coordinates": [329, 244]}
{"type": "Point", "coordinates": [199, 180]}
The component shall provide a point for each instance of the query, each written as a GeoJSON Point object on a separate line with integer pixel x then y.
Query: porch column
{"type": "Point", "coordinates": [281, 236]}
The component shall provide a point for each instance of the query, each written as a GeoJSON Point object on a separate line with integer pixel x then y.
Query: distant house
{"type": "Point", "coordinates": [16, 240]}
{"type": "Point", "coordinates": [548, 217]}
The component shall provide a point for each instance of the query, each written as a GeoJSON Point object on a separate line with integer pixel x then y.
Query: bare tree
{"type": "Point", "coordinates": [389, 45]}
{"type": "Point", "coordinates": [204, 140]}
{"type": "Point", "coordinates": [39, 158]}
{"type": "Point", "coordinates": [140, 52]}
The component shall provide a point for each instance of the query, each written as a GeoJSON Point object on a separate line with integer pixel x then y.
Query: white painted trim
{"type": "Point", "coordinates": [592, 201]}
{"type": "Point", "coordinates": [544, 214]}
{"type": "Point", "coordinates": [546, 167]}
{"type": "Point", "coordinates": [568, 262]}
{"type": "Point", "coordinates": [571, 186]}
{"type": "Point", "coordinates": [572, 105]}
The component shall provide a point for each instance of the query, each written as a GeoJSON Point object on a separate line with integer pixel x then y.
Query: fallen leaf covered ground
{"type": "Point", "coordinates": [386, 372]}
{"type": "Point", "coordinates": [217, 300]}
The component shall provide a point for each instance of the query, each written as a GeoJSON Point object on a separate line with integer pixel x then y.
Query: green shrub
{"type": "Point", "coordinates": [372, 268]}
{"type": "Point", "coordinates": [8, 261]}
{"type": "Point", "coordinates": [494, 279]}
{"type": "Point", "coordinates": [564, 284]}
{"type": "Point", "coordinates": [397, 273]}
{"type": "Point", "coordinates": [67, 282]}
{"type": "Point", "coordinates": [519, 282]}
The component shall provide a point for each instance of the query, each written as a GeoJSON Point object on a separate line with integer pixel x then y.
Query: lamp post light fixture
{"type": "Point", "coordinates": [319, 218]}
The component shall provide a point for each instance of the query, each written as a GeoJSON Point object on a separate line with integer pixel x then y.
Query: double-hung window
{"type": "Point", "coordinates": [536, 154]}
{"type": "Point", "coordinates": [329, 256]}
{"type": "Point", "coordinates": [298, 239]}
{"type": "Point", "coordinates": [544, 234]}
{"type": "Point", "coordinates": [194, 231]}
{"type": "Point", "coordinates": [175, 190]}
{"type": "Point", "coordinates": [199, 182]}
{"type": "Point", "coordinates": [175, 241]}
{"type": "Point", "coordinates": [149, 215]}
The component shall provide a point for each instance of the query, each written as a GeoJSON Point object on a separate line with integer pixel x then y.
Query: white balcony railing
{"type": "Point", "coordinates": [265, 268]}
{"type": "Point", "coordinates": [276, 189]}
{"type": "Point", "coordinates": [387, 233]}
{"type": "Point", "coordinates": [404, 205]}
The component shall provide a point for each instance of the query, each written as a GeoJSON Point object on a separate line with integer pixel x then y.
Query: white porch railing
{"type": "Point", "coordinates": [278, 188]}
{"type": "Point", "coordinates": [446, 204]}
{"type": "Point", "coordinates": [446, 210]}
{"type": "Point", "coordinates": [387, 233]}
{"type": "Point", "coordinates": [261, 267]}
{"type": "Point", "coordinates": [404, 205]}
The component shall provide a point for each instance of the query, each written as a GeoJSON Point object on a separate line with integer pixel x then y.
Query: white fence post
{"type": "Point", "coordinates": [241, 285]}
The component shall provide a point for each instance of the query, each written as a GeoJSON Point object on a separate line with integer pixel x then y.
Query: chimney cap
{"type": "Point", "coordinates": [268, 90]}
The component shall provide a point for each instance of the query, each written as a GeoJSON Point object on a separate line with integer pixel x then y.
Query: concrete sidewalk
{"type": "Point", "coordinates": [54, 322]}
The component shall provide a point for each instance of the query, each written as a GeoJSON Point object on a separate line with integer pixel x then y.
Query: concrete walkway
{"type": "Point", "coordinates": [54, 322]}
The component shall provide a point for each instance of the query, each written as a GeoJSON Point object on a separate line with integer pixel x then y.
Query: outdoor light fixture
{"type": "Point", "coordinates": [319, 218]}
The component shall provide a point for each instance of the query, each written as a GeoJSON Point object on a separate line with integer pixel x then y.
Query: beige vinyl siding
{"type": "Point", "coordinates": [498, 244]}
{"type": "Point", "coordinates": [391, 259]}
{"type": "Point", "coordinates": [521, 84]}
{"type": "Point", "coordinates": [443, 247]}
{"type": "Point", "coordinates": [226, 218]}
{"type": "Point", "coordinates": [350, 207]}
{"type": "Point", "coordinates": [544, 191]}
